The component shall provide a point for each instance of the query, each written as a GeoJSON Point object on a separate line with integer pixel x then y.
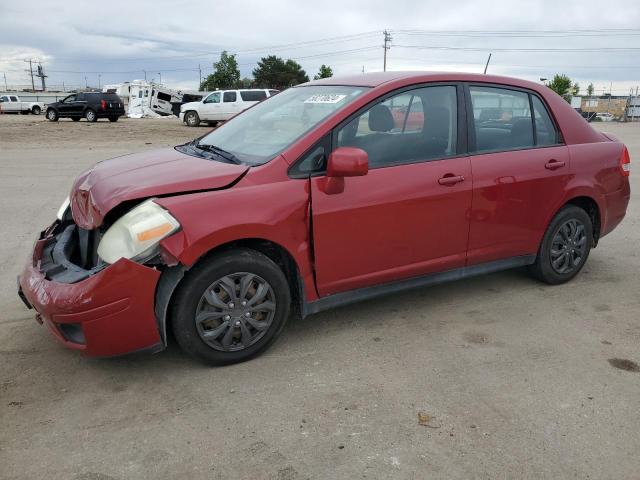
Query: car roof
{"type": "Point", "coordinates": [376, 79]}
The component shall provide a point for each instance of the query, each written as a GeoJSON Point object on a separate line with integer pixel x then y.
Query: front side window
{"type": "Point", "coordinates": [502, 119]}
{"type": "Point", "coordinates": [258, 134]}
{"type": "Point", "coordinates": [412, 126]}
{"type": "Point", "coordinates": [229, 97]}
{"type": "Point", "coordinates": [213, 98]}
{"type": "Point", "coordinates": [69, 99]}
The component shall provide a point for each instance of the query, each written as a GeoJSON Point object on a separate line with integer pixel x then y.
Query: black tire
{"type": "Point", "coordinates": [192, 119]}
{"type": "Point", "coordinates": [52, 115]}
{"type": "Point", "coordinates": [75, 119]}
{"type": "Point", "coordinates": [189, 300]}
{"type": "Point", "coordinates": [90, 115]}
{"type": "Point", "coordinates": [572, 253]}
{"type": "Point", "coordinates": [36, 110]}
{"type": "Point", "coordinates": [113, 119]}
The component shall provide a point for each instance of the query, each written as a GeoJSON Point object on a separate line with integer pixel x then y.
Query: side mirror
{"type": "Point", "coordinates": [347, 162]}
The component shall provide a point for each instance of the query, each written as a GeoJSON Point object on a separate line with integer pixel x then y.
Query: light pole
{"type": "Point", "coordinates": [160, 75]}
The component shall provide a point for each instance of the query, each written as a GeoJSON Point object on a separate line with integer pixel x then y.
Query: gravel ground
{"type": "Point", "coordinates": [511, 378]}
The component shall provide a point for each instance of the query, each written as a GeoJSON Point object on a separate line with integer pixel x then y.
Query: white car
{"type": "Point", "coordinates": [605, 117]}
{"type": "Point", "coordinates": [221, 105]}
{"type": "Point", "coordinates": [12, 104]}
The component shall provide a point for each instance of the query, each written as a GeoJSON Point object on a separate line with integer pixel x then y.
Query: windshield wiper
{"type": "Point", "coordinates": [219, 151]}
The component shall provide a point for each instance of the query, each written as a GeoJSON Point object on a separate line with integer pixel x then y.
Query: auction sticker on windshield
{"type": "Point", "coordinates": [327, 98]}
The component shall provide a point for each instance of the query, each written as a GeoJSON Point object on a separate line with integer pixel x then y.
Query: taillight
{"type": "Point", "coordinates": [103, 104]}
{"type": "Point", "coordinates": [625, 162]}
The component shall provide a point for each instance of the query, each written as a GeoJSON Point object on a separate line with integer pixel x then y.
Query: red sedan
{"type": "Point", "coordinates": [321, 196]}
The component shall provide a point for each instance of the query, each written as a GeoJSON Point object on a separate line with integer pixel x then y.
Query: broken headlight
{"type": "Point", "coordinates": [137, 234]}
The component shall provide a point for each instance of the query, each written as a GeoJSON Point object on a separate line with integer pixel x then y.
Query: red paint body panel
{"type": "Point", "coordinates": [342, 233]}
{"type": "Point", "coordinates": [392, 223]}
{"type": "Point", "coordinates": [514, 197]}
{"type": "Point", "coordinates": [114, 307]}
{"type": "Point", "coordinates": [157, 172]}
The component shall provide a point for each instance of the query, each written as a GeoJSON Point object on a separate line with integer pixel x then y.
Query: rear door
{"type": "Point", "coordinates": [520, 170]}
{"type": "Point", "coordinates": [231, 104]}
{"type": "Point", "coordinates": [409, 215]}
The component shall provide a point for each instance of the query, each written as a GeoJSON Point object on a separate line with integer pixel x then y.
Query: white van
{"type": "Point", "coordinates": [221, 105]}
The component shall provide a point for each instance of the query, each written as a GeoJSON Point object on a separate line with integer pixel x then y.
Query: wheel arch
{"type": "Point", "coordinates": [172, 277]}
{"type": "Point", "coordinates": [589, 205]}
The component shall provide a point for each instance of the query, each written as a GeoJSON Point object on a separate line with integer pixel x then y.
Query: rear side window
{"type": "Point", "coordinates": [14, 99]}
{"type": "Point", "coordinates": [502, 119]}
{"type": "Point", "coordinates": [229, 97]}
{"type": "Point", "coordinates": [273, 92]}
{"type": "Point", "coordinates": [546, 133]}
{"type": "Point", "coordinates": [164, 96]}
{"type": "Point", "coordinates": [252, 95]}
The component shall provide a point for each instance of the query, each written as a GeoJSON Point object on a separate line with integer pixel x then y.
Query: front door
{"type": "Point", "coordinates": [211, 107]}
{"type": "Point", "coordinates": [409, 215]}
{"type": "Point", "coordinates": [520, 170]}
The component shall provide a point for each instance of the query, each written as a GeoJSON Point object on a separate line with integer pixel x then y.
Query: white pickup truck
{"type": "Point", "coordinates": [221, 105]}
{"type": "Point", "coordinates": [12, 104]}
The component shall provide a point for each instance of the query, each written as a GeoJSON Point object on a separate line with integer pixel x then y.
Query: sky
{"type": "Point", "coordinates": [86, 42]}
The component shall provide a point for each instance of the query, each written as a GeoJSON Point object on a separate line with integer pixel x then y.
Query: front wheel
{"type": "Point", "coordinates": [230, 308]}
{"type": "Point", "coordinates": [52, 115]}
{"type": "Point", "coordinates": [565, 246]}
{"type": "Point", "coordinates": [90, 115]}
{"type": "Point", "coordinates": [192, 119]}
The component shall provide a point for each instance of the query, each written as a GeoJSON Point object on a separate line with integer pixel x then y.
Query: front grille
{"type": "Point", "coordinates": [70, 254]}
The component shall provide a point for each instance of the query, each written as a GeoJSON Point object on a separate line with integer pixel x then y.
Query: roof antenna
{"type": "Point", "coordinates": [487, 65]}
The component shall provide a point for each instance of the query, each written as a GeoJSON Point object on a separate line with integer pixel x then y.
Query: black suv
{"type": "Point", "coordinates": [90, 105]}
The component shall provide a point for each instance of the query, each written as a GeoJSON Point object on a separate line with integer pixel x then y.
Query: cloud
{"type": "Point", "coordinates": [122, 40]}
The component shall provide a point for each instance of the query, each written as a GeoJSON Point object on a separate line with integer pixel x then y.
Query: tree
{"type": "Point", "coordinates": [561, 84]}
{"type": "Point", "coordinates": [575, 90]}
{"type": "Point", "coordinates": [324, 72]}
{"type": "Point", "coordinates": [274, 72]}
{"type": "Point", "coordinates": [225, 74]}
{"type": "Point", "coordinates": [590, 89]}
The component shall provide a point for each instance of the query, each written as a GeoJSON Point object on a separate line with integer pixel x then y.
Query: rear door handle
{"type": "Point", "coordinates": [450, 180]}
{"type": "Point", "coordinates": [554, 164]}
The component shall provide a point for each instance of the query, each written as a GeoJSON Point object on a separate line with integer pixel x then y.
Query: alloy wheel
{"type": "Point", "coordinates": [235, 311]}
{"type": "Point", "coordinates": [568, 247]}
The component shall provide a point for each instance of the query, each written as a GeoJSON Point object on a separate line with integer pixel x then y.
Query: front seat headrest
{"type": "Point", "coordinates": [380, 119]}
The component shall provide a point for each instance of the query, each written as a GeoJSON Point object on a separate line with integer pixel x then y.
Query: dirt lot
{"type": "Point", "coordinates": [514, 375]}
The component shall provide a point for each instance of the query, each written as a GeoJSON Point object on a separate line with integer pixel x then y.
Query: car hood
{"type": "Point", "coordinates": [186, 106]}
{"type": "Point", "coordinates": [142, 175]}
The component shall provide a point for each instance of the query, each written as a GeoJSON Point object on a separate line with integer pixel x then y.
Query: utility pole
{"type": "Point", "coordinates": [487, 65]}
{"type": "Point", "coordinates": [30, 72]}
{"type": "Point", "coordinates": [145, 75]}
{"type": "Point", "coordinates": [41, 76]}
{"type": "Point", "coordinates": [5, 82]}
{"type": "Point", "coordinates": [86, 83]}
{"type": "Point", "coordinates": [387, 40]}
{"type": "Point", "coordinates": [99, 81]}
{"type": "Point", "coordinates": [200, 72]}
{"type": "Point", "coordinates": [160, 75]}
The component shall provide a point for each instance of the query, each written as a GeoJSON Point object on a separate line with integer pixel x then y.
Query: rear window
{"type": "Point", "coordinates": [253, 95]}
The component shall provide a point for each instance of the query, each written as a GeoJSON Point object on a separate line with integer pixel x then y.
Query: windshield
{"type": "Point", "coordinates": [262, 132]}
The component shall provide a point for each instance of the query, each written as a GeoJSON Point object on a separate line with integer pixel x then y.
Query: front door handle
{"type": "Point", "coordinates": [450, 180]}
{"type": "Point", "coordinates": [554, 164]}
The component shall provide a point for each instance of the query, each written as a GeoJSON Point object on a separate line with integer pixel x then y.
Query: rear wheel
{"type": "Point", "coordinates": [565, 246]}
{"type": "Point", "coordinates": [231, 308]}
{"type": "Point", "coordinates": [113, 119]}
{"type": "Point", "coordinates": [90, 115]}
{"type": "Point", "coordinates": [192, 119]}
{"type": "Point", "coordinates": [36, 110]}
{"type": "Point", "coordinates": [52, 115]}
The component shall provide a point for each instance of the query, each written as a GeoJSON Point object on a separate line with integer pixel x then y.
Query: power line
{"type": "Point", "coordinates": [484, 49]}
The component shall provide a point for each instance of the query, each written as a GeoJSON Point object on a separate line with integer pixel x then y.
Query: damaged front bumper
{"type": "Point", "coordinates": [103, 311]}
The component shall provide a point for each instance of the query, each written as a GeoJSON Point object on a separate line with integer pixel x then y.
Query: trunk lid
{"type": "Point", "coordinates": [142, 175]}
